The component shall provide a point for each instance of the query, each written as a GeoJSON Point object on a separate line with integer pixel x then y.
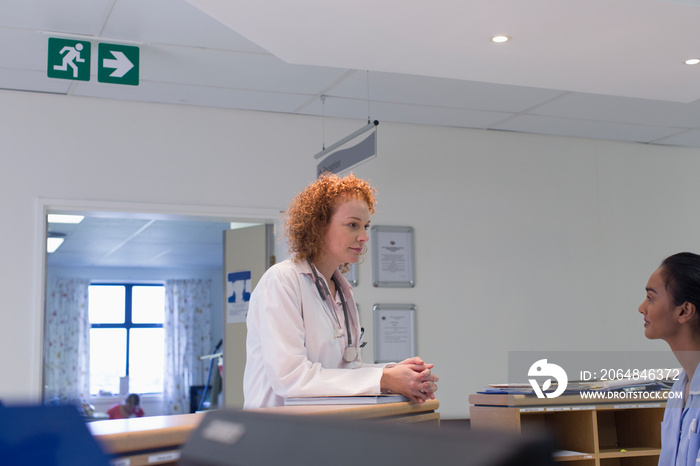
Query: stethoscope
{"type": "Point", "coordinates": [350, 353]}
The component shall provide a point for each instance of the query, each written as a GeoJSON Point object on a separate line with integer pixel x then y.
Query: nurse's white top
{"type": "Point", "coordinates": [294, 345]}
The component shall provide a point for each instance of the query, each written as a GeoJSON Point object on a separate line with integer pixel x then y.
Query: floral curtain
{"type": "Point", "coordinates": [67, 342]}
{"type": "Point", "coordinates": [187, 337]}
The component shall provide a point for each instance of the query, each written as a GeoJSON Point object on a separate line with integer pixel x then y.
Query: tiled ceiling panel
{"type": "Point", "coordinates": [592, 69]}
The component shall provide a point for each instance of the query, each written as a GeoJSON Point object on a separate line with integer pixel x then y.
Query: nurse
{"type": "Point", "coordinates": [303, 325]}
{"type": "Point", "coordinates": [670, 313]}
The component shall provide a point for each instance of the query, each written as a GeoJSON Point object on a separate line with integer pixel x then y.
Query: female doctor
{"type": "Point", "coordinates": [303, 325]}
{"type": "Point", "coordinates": [670, 313]}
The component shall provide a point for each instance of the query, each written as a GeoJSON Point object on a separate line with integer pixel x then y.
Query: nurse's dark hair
{"type": "Point", "coordinates": [310, 212]}
{"type": "Point", "coordinates": [681, 275]}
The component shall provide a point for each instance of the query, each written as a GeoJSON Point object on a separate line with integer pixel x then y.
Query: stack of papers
{"type": "Point", "coordinates": [344, 400]}
{"type": "Point", "coordinates": [574, 388]}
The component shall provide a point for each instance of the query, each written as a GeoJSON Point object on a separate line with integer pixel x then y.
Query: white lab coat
{"type": "Point", "coordinates": [292, 348]}
{"type": "Point", "coordinates": [680, 439]}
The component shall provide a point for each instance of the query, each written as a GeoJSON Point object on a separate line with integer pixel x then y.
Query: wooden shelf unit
{"type": "Point", "coordinates": [608, 434]}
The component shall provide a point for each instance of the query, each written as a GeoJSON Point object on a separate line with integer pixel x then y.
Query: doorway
{"type": "Point", "coordinates": [126, 243]}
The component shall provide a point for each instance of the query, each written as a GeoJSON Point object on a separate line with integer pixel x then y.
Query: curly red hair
{"type": "Point", "coordinates": [310, 212]}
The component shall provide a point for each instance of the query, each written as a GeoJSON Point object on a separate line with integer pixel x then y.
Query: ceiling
{"type": "Point", "coordinates": [596, 69]}
{"type": "Point", "coordinates": [144, 241]}
{"type": "Point", "coordinates": [586, 68]}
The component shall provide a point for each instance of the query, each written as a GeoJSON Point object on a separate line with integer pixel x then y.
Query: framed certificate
{"type": "Point", "coordinates": [392, 256]}
{"type": "Point", "coordinates": [394, 332]}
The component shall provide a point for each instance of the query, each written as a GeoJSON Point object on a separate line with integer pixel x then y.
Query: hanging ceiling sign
{"type": "Point", "coordinates": [70, 59]}
{"type": "Point", "coordinates": [118, 64]}
{"type": "Point", "coordinates": [346, 159]}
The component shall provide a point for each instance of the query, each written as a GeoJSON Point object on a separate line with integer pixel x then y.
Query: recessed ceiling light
{"type": "Point", "coordinates": [692, 61]}
{"type": "Point", "coordinates": [60, 218]}
{"type": "Point", "coordinates": [499, 39]}
{"type": "Point", "coordinates": [52, 244]}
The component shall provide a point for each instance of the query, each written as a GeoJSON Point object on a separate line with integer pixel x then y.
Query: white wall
{"type": "Point", "coordinates": [523, 242]}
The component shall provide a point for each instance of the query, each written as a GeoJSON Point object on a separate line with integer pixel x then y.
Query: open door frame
{"type": "Point", "coordinates": [248, 252]}
{"type": "Point", "coordinates": [44, 206]}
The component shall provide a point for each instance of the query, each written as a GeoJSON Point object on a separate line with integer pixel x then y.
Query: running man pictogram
{"type": "Point", "coordinates": [70, 58]}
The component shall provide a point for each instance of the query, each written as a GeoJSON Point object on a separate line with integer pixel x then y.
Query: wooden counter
{"type": "Point", "coordinates": [157, 439]}
{"type": "Point", "coordinates": [393, 412]}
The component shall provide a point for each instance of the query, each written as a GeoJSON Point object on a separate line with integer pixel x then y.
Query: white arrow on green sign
{"type": "Point", "coordinates": [118, 64]}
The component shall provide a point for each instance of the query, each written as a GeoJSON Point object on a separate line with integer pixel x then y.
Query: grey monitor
{"type": "Point", "coordinates": [245, 438]}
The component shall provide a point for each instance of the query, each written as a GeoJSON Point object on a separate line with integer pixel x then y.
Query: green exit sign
{"type": "Point", "coordinates": [70, 59]}
{"type": "Point", "coordinates": [118, 64]}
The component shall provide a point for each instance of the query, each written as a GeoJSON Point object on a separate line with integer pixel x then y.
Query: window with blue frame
{"type": "Point", "coordinates": [126, 337]}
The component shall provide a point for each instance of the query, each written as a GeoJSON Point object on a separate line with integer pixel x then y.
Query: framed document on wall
{"type": "Point", "coordinates": [392, 256]}
{"type": "Point", "coordinates": [394, 332]}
